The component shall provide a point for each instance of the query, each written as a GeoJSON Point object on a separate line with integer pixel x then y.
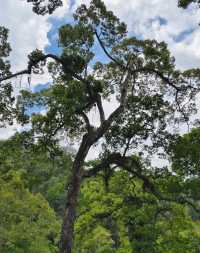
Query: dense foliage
{"type": "Point", "coordinates": [130, 220]}
{"type": "Point", "coordinates": [128, 205]}
{"type": "Point", "coordinates": [110, 218]}
{"type": "Point", "coordinates": [40, 170]}
{"type": "Point", "coordinates": [27, 221]}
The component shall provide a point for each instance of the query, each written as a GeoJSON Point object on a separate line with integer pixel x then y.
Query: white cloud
{"type": "Point", "coordinates": [28, 31]}
{"type": "Point", "coordinates": [60, 12]}
{"type": "Point", "coordinates": [8, 131]}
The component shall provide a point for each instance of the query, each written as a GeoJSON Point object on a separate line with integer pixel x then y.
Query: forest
{"type": "Point", "coordinates": [131, 182]}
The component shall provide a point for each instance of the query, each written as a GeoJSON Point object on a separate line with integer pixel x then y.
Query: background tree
{"type": "Point", "coordinates": [130, 219]}
{"type": "Point", "coordinates": [27, 220]}
{"type": "Point", "coordinates": [109, 218]}
{"type": "Point", "coordinates": [139, 74]}
{"type": "Point", "coordinates": [41, 171]}
{"type": "Point", "coordinates": [185, 162]}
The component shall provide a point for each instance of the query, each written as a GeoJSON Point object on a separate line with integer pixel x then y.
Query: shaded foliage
{"type": "Point", "coordinates": [41, 170]}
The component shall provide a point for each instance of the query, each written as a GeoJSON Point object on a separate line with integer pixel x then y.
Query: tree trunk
{"type": "Point", "coordinates": [66, 241]}
{"type": "Point", "coordinates": [67, 232]}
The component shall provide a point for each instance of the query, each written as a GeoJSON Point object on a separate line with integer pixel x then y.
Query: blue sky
{"type": "Point", "coordinates": [156, 19]}
{"type": "Point", "coordinates": [183, 35]}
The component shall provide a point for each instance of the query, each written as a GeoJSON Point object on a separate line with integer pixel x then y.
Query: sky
{"type": "Point", "coordinates": [156, 19]}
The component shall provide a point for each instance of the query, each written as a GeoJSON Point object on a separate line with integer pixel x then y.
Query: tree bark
{"type": "Point", "coordinates": [67, 232]}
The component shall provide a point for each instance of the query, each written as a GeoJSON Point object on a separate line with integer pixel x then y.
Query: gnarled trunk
{"type": "Point", "coordinates": [66, 241]}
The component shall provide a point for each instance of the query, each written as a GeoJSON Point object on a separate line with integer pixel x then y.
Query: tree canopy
{"type": "Point", "coordinates": [100, 62]}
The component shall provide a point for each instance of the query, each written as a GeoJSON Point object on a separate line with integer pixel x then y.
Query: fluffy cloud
{"type": "Point", "coordinates": [164, 21]}
{"type": "Point", "coordinates": [28, 31]}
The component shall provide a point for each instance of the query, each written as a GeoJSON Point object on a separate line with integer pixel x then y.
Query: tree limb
{"type": "Point", "coordinates": [100, 108]}
{"type": "Point", "coordinates": [135, 71]}
{"type": "Point", "coordinates": [87, 121]}
{"type": "Point", "coordinates": [133, 166]}
{"type": "Point", "coordinates": [33, 64]}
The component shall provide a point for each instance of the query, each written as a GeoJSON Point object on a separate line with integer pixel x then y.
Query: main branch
{"type": "Point", "coordinates": [134, 167]}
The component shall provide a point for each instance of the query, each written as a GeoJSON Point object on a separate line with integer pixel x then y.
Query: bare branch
{"type": "Point", "coordinates": [33, 64]}
{"type": "Point", "coordinates": [105, 50]}
{"type": "Point", "coordinates": [87, 121]}
{"type": "Point", "coordinates": [100, 108]}
{"type": "Point", "coordinates": [124, 90]}
{"type": "Point", "coordinates": [101, 166]}
{"type": "Point", "coordinates": [23, 72]}
{"type": "Point", "coordinates": [30, 66]}
{"type": "Point", "coordinates": [107, 123]}
{"type": "Point", "coordinates": [127, 146]}
{"type": "Point", "coordinates": [182, 111]}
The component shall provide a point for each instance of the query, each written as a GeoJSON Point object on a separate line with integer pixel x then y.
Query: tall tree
{"type": "Point", "coordinates": [141, 77]}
